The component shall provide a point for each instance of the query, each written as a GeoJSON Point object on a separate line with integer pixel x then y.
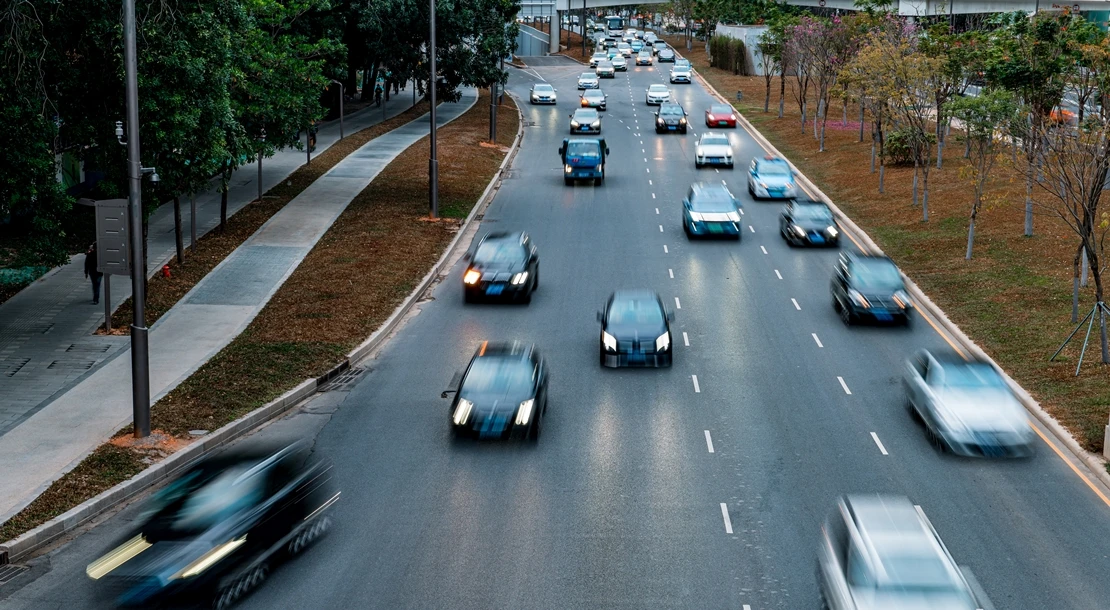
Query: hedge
{"type": "Point", "coordinates": [728, 53]}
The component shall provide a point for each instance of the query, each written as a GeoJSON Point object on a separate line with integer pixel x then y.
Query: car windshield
{"type": "Point", "coordinates": [714, 141]}
{"type": "Point", "coordinates": [975, 375]}
{"type": "Point", "coordinates": [586, 76]}
{"type": "Point", "coordinates": [499, 374]}
{"type": "Point", "coordinates": [658, 88]}
{"type": "Point", "coordinates": [645, 54]}
{"type": "Point", "coordinates": [499, 251]}
{"type": "Point", "coordinates": [812, 212]}
{"type": "Point", "coordinates": [712, 201]}
{"type": "Point", "coordinates": [543, 88]}
{"type": "Point", "coordinates": [635, 311]}
{"type": "Point", "coordinates": [773, 169]}
{"type": "Point", "coordinates": [670, 110]}
{"type": "Point", "coordinates": [584, 149]}
{"type": "Point", "coordinates": [916, 572]}
{"type": "Point", "coordinates": [666, 53]}
{"type": "Point", "coordinates": [720, 109]}
{"type": "Point", "coordinates": [878, 274]}
{"type": "Point", "coordinates": [201, 499]}
{"type": "Point", "coordinates": [682, 63]}
{"type": "Point", "coordinates": [593, 93]}
{"type": "Point", "coordinates": [586, 114]}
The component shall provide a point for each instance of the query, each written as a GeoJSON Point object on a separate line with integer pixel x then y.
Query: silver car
{"type": "Point", "coordinates": [542, 93]}
{"type": "Point", "coordinates": [605, 69]}
{"type": "Point", "coordinates": [596, 57]}
{"type": "Point", "coordinates": [620, 63]}
{"type": "Point", "coordinates": [966, 406]}
{"type": "Point", "coordinates": [658, 94]}
{"type": "Point", "coordinates": [881, 552]}
{"type": "Point", "coordinates": [588, 80]}
{"type": "Point", "coordinates": [680, 74]}
{"type": "Point", "coordinates": [713, 149]}
{"type": "Point", "coordinates": [585, 120]}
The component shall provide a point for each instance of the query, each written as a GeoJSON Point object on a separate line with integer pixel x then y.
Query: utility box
{"type": "Point", "coordinates": [111, 237]}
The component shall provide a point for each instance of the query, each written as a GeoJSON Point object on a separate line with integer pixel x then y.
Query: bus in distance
{"type": "Point", "coordinates": [614, 26]}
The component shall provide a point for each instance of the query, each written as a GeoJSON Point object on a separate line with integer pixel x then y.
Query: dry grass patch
{"type": "Point", "coordinates": [1013, 298]}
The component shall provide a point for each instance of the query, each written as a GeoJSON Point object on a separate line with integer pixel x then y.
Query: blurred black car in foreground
{"type": "Point", "coordinates": [869, 287]}
{"type": "Point", "coordinates": [808, 223]}
{"type": "Point", "coordinates": [635, 330]}
{"type": "Point", "coordinates": [504, 265]}
{"type": "Point", "coordinates": [502, 394]}
{"type": "Point", "coordinates": [214, 533]}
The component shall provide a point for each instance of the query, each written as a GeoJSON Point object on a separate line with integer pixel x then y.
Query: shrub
{"type": "Point", "coordinates": [728, 53]}
{"type": "Point", "coordinates": [898, 144]}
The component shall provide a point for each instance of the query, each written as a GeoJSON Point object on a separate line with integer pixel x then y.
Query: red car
{"type": "Point", "coordinates": [720, 115]}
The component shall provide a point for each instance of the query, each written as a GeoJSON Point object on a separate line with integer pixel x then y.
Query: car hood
{"type": "Point", "coordinates": [497, 268]}
{"type": "Point", "coordinates": [871, 599]}
{"type": "Point", "coordinates": [163, 559]}
{"type": "Point", "coordinates": [680, 72]}
{"type": "Point", "coordinates": [775, 181]}
{"type": "Point", "coordinates": [636, 332]}
{"type": "Point", "coordinates": [986, 409]}
{"type": "Point", "coordinates": [671, 119]}
{"type": "Point", "coordinates": [810, 224]}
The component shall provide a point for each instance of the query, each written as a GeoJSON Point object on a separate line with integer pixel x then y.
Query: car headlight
{"type": "Point", "coordinates": [585, 102]}
{"type": "Point", "coordinates": [596, 124]}
{"type": "Point", "coordinates": [800, 231]}
{"type": "Point", "coordinates": [462, 411]}
{"type": "Point", "coordinates": [574, 123]}
{"type": "Point", "coordinates": [902, 299]}
{"type": "Point", "coordinates": [762, 185]}
{"type": "Point", "coordinates": [210, 558]}
{"type": "Point", "coordinates": [831, 230]}
{"type": "Point", "coordinates": [789, 186]}
{"type": "Point", "coordinates": [728, 153]}
{"type": "Point", "coordinates": [663, 343]}
{"type": "Point", "coordinates": [858, 298]}
{"type": "Point", "coordinates": [696, 217]}
{"type": "Point", "coordinates": [699, 152]}
{"type": "Point", "coordinates": [732, 117]}
{"type": "Point", "coordinates": [524, 412]}
{"type": "Point", "coordinates": [682, 120]}
{"type": "Point", "coordinates": [520, 278]}
{"type": "Point", "coordinates": [568, 169]}
{"type": "Point", "coordinates": [117, 557]}
{"type": "Point", "coordinates": [609, 341]}
{"type": "Point", "coordinates": [598, 168]}
{"type": "Point", "coordinates": [472, 275]}
{"type": "Point", "coordinates": [659, 121]}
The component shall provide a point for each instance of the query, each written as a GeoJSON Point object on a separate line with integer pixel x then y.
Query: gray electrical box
{"type": "Point", "coordinates": [111, 237]}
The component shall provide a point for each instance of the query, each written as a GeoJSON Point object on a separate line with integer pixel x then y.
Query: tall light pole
{"type": "Point", "coordinates": [433, 80]}
{"type": "Point", "coordinates": [140, 359]}
{"type": "Point", "coordinates": [335, 82]}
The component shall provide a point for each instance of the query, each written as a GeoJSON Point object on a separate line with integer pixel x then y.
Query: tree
{"type": "Point", "coordinates": [796, 57]}
{"type": "Point", "coordinates": [956, 54]}
{"type": "Point", "coordinates": [771, 48]}
{"type": "Point", "coordinates": [981, 116]}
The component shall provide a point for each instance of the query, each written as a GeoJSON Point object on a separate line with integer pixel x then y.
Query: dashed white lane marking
{"type": "Point", "coordinates": [670, 272]}
{"type": "Point", "coordinates": [677, 303]}
{"type": "Point", "coordinates": [650, 183]}
{"type": "Point", "coordinates": [641, 141]}
{"type": "Point", "coordinates": [645, 159]}
{"type": "Point", "coordinates": [648, 169]}
{"type": "Point", "coordinates": [660, 228]}
{"type": "Point", "coordinates": [653, 195]}
{"type": "Point", "coordinates": [747, 607]}
{"type": "Point", "coordinates": [657, 210]}
{"type": "Point", "coordinates": [665, 251]}
{"type": "Point", "coordinates": [643, 151]}
{"type": "Point", "coordinates": [685, 339]}
{"type": "Point", "coordinates": [796, 305]}
{"type": "Point", "coordinates": [778, 274]}
{"type": "Point", "coordinates": [817, 340]}
{"type": "Point", "coordinates": [728, 522]}
{"type": "Point", "coordinates": [843, 385]}
{"type": "Point", "coordinates": [716, 170]}
{"type": "Point", "coordinates": [751, 228]}
{"type": "Point", "coordinates": [697, 388]}
{"type": "Point", "coordinates": [764, 249]}
{"type": "Point", "coordinates": [879, 443]}
{"type": "Point", "coordinates": [708, 441]}
{"type": "Point", "coordinates": [723, 182]}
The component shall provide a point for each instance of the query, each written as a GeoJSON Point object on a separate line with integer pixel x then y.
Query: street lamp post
{"type": "Point", "coordinates": [262, 140]}
{"type": "Point", "coordinates": [433, 165]}
{"type": "Point", "coordinates": [335, 82]}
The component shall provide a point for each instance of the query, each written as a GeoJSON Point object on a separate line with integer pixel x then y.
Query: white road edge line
{"type": "Point", "coordinates": [709, 441]}
{"type": "Point", "coordinates": [677, 303]}
{"type": "Point", "coordinates": [844, 385]}
{"type": "Point", "coordinates": [728, 522]}
{"type": "Point", "coordinates": [817, 340]}
{"type": "Point", "coordinates": [685, 339]}
{"type": "Point", "coordinates": [879, 443]}
{"type": "Point", "coordinates": [778, 274]}
{"type": "Point", "coordinates": [697, 388]}
{"type": "Point", "coordinates": [796, 305]}
{"type": "Point", "coordinates": [764, 249]}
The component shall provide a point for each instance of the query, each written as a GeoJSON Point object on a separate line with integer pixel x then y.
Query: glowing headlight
{"type": "Point", "coordinates": [659, 121]}
{"type": "Point", "coordinates": [831, 230]}
{"type": "Point", "coordinates": [732, 116]}
{"type": "Point", "coordinates": [663, 343]}
{"type": "Point", "coordinates": [682, 120]}
{"type": "Point", "coordinates": [609, 341]}
{"type": "Point", "coordinates": [524, 412]}
{"type": "Point", "coordinates": [800, 231]}
{"type": "Point", "coordinates": [902, 299]}
{"type": "Point", "coordinates": [728, 153]}
{"type": "Point", "coordinates": [574, 123]}
{"type": "Point", "coordinates": [117, 557]}
{"type": "Point", "coordinates": [462, 412]}
{"type": "Point", "coordinates": [762, 185]}
{"type": "Point", "coordinates": [520, 278]}
{"type": "Point", "coordinates": [858, 298]}
{"type": "Point", "coordinates": [472, 276]}
{"type": "Point", "coordinates": [568, 169]}
{"type": "Point", "coordinates": [596, 124]}
{"type": "Point", "coordinates": [210, 558]}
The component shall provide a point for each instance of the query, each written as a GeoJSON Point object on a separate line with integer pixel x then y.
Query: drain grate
{"type": "Point", "coordinates": [345, 381]}
{"type": "Point", "coordinates": [72, 365]}
{"type": "Point", "coordinates": [97, 348]}
{"type": "Point", "coordinates": [530, 123]}
{"type": "Point", "coordinates": [9, 572]}
{"type": "Point", "coordinates": [15, 366]}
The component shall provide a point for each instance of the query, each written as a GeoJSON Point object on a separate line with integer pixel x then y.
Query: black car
{"type": "Point", "coordinates": [502, 394]}
{"type": "Point", "coordinates": [215, 532]}
{"type": "Point", "coordinates": [585, 120]}
{"type": "Point", "coordinates": [665, 55]}
{"type": "Point", "coordinates": [504, 265]}
{"type": "Point", "coordinates": [869, 287]}
{"type": "Point", "coordinates": [808, 223]}
{"type": "Point", "coordinates": [671, 117]}
{"type": "Point", "coordinates": [635, 330]}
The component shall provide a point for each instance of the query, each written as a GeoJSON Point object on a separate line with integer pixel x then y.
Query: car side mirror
{"type": "Point", "coordinates": [606, 150]}
{"type": "Point", "coordinates": [600, 317]}
{"type": "Point", "coordinates": [446, 392]}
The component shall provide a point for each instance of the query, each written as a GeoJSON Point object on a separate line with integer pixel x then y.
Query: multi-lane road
{"type": "Point", "coordinates": [698, 486]}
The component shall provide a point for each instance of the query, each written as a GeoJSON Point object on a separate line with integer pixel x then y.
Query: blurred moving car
{"type": "Point", "coordinates": [683, 63]}
{"type": "Point", "coordinates": [966, 406]}
{"type": "Point", "coordinates": [596, 57]}
{"type": "Point", "coordinates": [869, 286]}
{"type": "Point", "coordinates": [710, 209]}
{"type": "Point", "coordinates": [637, 45]}
{"type": "Point", "coordinates": [670, 117]}
{"type": "Point", "coordinates": [680, 74]}
{"type": "Point", "coordinates": [218, 529]}
{"type": "Point", "coordinates": [620, 64]}
{"type": "Point", "coordinates": [585, 120]}
{"type": "Point", "coordinates": [665, 55]}
{"type": "Point", "coordinates": [658, 45]}
{"type": "Point", "coordinates": [713, 149]}
{"type": "Point", "coordinates": [583, 158]}
{"type": "Point", "coordinates": [881, 552]}
{"type": "Point", "coordinates": [605, 69]}
{"type": "Point", "coordinates": [505, 265]}
{"type": "Point", "coordinates": [502, 394]}
{"type": "Point", "coordinates": [808, 223]}
{"type": "Point", "coordinates": [542, 93]}
{"type": "Point", "coordinates": [658, 94]}
{"type": "Point", "coordinates": [593, 98]}
{"type": "Point", "coordinates": [771, 178]}
{"type": "Point", "coordinates": [635, 330]}
{"type": "Point", "coordinates": [643, 58]}
{"type": "Point", "coordinates": [588, 80]}
{"type": "Point", "coordinates": [720, 115]}
{"type": "Point", "coordinates": [625, 49]}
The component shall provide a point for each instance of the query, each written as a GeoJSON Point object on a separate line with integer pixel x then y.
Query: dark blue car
{"type": "Point", "coordinates": [502, 394]}
{"type": "Point", "coordinates": [709, 209]}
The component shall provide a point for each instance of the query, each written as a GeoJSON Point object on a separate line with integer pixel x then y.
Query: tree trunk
{"type": "Point", "coordinates": [178, 237]}
{"type": "Point", "coordinates": [844, 121]}
{"type": "Point", "coordinates": [970, 236]}
{"type": "Point", "coordinates": [861, 134]}
{"type": "Point", "coordinates": [223, 200]}
{"type": "Point", "coordinates": [821, 110]}
{"type": "Point", "coordinates": [872, 157]}
{"type": "Point", "coordinates": [1086, 270]}
{"type": "Point", "coordinates": [803, 117]}
{"type": "Point", "coordinates": [1028, 205]}
{"type": "Point", "coordinates": [1097, 273]}
{"type": "Point", "coordinates": [782, 92]}
{"type": "Point", "coordinates": [940, 138]}
{"type": "Point", "coordinates": [1075, 284]}
{"type": "Point", "coordinates": [767, 95]}
{"type": "Point", "coordinates": [915, 168]}
{"type": "Point", "coordinates": [967, 149]}
{"type": "Point", "coordinates": [925, 194]}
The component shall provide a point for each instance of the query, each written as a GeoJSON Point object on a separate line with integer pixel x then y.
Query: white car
{"type": "Point", "coordinates": [680, 74]}
{"type": "Point", "coordinates": [713, 149]}
{"type": "Point", "coordinates": [606, 69]}
{"type": "Point", "coordinates": [620, 63]}
{"type": "Point", "coordinates": [657, 94]}
{"type": "Point", "coordinates": [644, 58]}
{"type": "Point", "coordinates": [625, 49]}
{"type": "Point", "coordinates": [596, 57]}
{"type": "Point", "coordinates": [543, 93]}
{"type": "Point", "coordinates": [588, 80]}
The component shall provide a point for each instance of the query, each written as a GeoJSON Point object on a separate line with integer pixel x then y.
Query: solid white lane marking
{"type": "Point", "coordinates": [685, 339]}
{"type": "Point", "coordinates": [728, 522]}
{"type": "Point", "coordinates": [843, 385]}
{"type": "Point", "coordinates": [670, 272]}
{"type": "Point", "coordinates": [660, 228]}
{"type": "Point", "coordinates": [879, 443]}
{"type": "Point", "coordinates": [764, 249]}
{"type": "Point", "coordinates": [817, 340]}
{"type": "Point", "coordinates": [697, 388]}
{"type": "Point", "coordinates": [677, 303]}
{"type": "Point", "coordinates": [751, 228]}
{"type": "Point", "coordinates": [716, 170]}
{"type": "Point", "coordinates": [778, 274]}
{"type": "Point", "coordinates": [796, 305]}
{"type": "Point", "coordinates": [665, 249]}
{"type": "Point", "coordinates": [709, 441]}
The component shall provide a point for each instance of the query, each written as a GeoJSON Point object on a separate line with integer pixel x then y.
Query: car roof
{"type": "Point", "coordinates": [510, 236]}
{"type": "Point", "coordinates": [892, 525]}
{"type": "Point", "coordinates": [506, 349]}
{"type": "Point", "coordinates": [670, 106]}
{"type": "Point", "coordinates": [704, 189]}
{"type": "Point", "coordinates": [639, 294]}
{"type": "Point", "coordinates": [771, 161]}
{"type": "Point", "coordinates": [585, 111]}
{"type": "Point", "coordinates": [866, 258]}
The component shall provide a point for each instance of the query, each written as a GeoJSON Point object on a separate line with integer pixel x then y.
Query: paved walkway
{"type": "Point", "coordinates": [57, 436]}
{"type": "Point", "coordinates": [46, 331]}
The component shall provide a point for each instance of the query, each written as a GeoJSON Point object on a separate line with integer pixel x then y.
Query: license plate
{"type": "Point", "coordinates": [884, 317]}
{"type": "Point", "coordinates": [714, 228]}
{"type": "Point", "coordinates": [817, 239]}
{"type": "Point", "coordinates": [671, 127]}
{"type": "Point", "coordinates": [722, 123]}
{"type": "Point", "coordinates": [494, 289]}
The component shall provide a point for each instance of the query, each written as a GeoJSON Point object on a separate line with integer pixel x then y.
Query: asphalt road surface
{"type": "Point", "coordinates": [699, 486]}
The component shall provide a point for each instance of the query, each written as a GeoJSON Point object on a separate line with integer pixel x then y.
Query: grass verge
{"type": "Point", "coordinates": [326, 307]}
{"type": "Point", "coordinates": [1013, 298]}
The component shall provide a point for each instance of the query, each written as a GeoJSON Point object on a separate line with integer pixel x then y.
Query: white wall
{"type": "Point", "coordinates": [750, 35]}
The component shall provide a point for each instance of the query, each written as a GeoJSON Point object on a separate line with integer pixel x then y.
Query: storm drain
{"type": "Point", "coordinates": [95, 348]}
{"type": "Point", "coordinates": [15, 366]}
{"type": "Point", "coordinates": [9, 572]}
{"type": "Point", "coordinates": [345, 381]}
{"type": "Point", "coordinates": [72, 365]}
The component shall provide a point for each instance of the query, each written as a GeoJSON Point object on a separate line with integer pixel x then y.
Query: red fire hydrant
{"type": "Point", "coordinates": [165, 270]}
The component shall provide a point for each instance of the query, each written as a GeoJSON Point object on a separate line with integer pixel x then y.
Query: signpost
{"type": "Point", "coordinates": [111, 248]}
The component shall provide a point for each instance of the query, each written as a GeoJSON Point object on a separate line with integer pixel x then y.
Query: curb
{"type": "Point", "coordinates": [81, 514]}
{"type": "Point", "coordinates": [1094, 463]}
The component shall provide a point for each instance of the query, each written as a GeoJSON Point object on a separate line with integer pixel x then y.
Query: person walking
{"type": "Point", "coordinates": [378, 91]}
{"type": "Point", "coordinates": [92, 273]}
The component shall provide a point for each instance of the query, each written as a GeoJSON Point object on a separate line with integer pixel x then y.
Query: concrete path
{"type": "Point", "coordinates": [59, 435]}
{"type": "Point", "coordinates": [46, 331]}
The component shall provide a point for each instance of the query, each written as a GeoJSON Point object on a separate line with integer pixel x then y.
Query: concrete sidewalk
{"type": "Point", "coordinates": [57, 436]}
{"type": "Point", "coordinates": [46, 331]}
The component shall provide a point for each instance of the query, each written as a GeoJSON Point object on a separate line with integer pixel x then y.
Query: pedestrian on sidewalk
{"type": "Point", "coordinates": [92, 273]}
{"type": "Point", "coordinates": [378, 92]}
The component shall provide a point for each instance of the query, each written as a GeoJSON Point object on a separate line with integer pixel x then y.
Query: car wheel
{"type": "Point", "coordinates": [568, 181]}
{"type": "Point", "coordinates": [697, 165]}
{"type": "Point", "coordinates": [686, 228]}
{"type": "Point", "coordinates": [707, 124]}
{"type": "Point", "coordinates": [846, 316]}
{"type": "Point", "coordinates": [602, 359]}
{"type": "Point", "coordinates": [467, 296]}
{"type": "Point", "coordinates": [683, 130]}
{"type": "Point", "coordinates": [536, 279]}
{"type": "Point", "coordinates": [527, 298]}
{"type": "Point", "coordinates": [597, 181]}
{"type": "Point", "coordinates": [534, 431]}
